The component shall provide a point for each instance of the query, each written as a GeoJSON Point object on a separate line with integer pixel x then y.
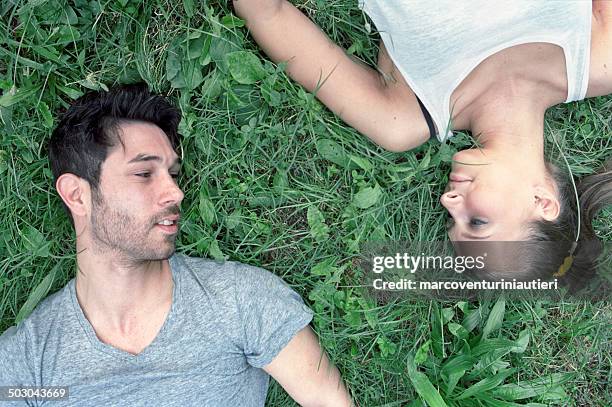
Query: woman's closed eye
{"type": "Point", "coordinates": [476, 222]}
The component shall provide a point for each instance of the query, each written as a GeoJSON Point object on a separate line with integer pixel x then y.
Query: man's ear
{"type": "Point", "coordinates": [75, 193]}
{"type": "Point", "coordinates": [547, 204]}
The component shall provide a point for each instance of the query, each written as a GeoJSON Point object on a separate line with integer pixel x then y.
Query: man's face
{"type": "Point", "coordinates": [135, 212]}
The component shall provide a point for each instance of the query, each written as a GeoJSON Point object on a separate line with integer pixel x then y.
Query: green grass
{"type": "Point", "coordinates": [272, 178]}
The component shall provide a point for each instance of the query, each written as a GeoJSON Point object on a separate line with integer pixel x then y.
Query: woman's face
{"type": "Point", "coordinates": [489, 197]}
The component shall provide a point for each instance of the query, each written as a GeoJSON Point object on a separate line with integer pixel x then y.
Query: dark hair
{"type": "Point", "coordinates": [594, 192]}
{"type": "Point", "coordinates": [91, 125]}
{"type": "Point", "coordinates": [550, 242]}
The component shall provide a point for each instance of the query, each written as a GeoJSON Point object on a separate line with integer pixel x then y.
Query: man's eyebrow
{"type": "Point", "coordinates": [142, 157]}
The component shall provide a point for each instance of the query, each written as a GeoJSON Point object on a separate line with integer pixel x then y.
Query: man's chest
{"type": "Point", "coordinates": [183, 372]}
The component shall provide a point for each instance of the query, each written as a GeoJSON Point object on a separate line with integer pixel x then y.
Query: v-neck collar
{"type": "Point", "coordinates": [160, 339]}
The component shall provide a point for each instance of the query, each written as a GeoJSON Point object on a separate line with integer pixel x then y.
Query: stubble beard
{"type": "Point", "coordinates": [117, 233]}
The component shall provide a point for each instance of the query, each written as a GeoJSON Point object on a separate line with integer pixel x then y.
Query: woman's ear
{"type": "Point", "coordinates": [74, 192]}
{"type": "Point", "coordinates": [547, 204]}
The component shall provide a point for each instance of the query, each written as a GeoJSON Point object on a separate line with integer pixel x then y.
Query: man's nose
{"type": "Point", "coordinates": [172, 194]}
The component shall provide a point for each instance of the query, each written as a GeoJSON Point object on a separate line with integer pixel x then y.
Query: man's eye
{"type": "Point", "coordinates": [175, 175]}
{"type": "Point", "coordinates": [477, 222]}
{"type": "Point", "coordinates": [144, 174]}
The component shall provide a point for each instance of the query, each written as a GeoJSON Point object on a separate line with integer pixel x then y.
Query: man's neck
{"type": "Point", "coordinates": [119, 295]}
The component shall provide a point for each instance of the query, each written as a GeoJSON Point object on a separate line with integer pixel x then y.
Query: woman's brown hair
{"type": "Point", "coordinates": [594, 193]}
{"type": "Point", "coordinates": [551, 251]}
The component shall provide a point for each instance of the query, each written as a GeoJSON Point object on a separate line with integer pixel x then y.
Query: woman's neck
{"type": "Point", "coordinates": [514, 125]}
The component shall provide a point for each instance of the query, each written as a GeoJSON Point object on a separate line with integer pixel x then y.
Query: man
{"type": "Point", "coordinates": [140, 325]}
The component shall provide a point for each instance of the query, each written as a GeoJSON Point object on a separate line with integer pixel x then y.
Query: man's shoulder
{"type": "Point", "coordinates": [232, 285]}
{"type": "Point", "coordinates": [221, 273]}
{"type": "Point", "coordinates": [48, 310]}
{"type": "Point", "coordinates": [22, 345]}
{"type": "Point", "coordinates": [39, 322]}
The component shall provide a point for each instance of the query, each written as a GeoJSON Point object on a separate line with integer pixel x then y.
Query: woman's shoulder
{"type": "Point", "coordinates": [602, 11]}
{"type": "Point", "coordinates": [600, 71]}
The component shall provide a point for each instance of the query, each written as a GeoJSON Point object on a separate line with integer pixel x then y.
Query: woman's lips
{"type": "Point", "coordinates": [459, 177]}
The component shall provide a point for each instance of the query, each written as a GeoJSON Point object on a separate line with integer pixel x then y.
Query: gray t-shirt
{"type": "Point", "coordinates": [226, 322]}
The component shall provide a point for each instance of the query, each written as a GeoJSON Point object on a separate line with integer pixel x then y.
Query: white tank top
{"type": "Point", "coordinates": [436, 44]}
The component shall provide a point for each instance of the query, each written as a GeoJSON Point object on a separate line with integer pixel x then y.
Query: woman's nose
{"type": "Point", "coordinates": [450, 199]}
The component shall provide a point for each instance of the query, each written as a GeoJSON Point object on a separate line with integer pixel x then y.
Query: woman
{"type": "Point", "coordinates": [478, 66]}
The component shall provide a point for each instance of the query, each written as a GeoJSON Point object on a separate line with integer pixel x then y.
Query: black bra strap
{"type": "Point", "coordinates": [428, 119]}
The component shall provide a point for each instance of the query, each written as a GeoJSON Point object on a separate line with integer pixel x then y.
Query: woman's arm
{"type": "Point", "coordinates": [389, 116]}
{"type": "Point", "coordinates": [600, 72]}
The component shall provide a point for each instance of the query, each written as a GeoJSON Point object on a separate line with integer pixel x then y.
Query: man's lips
{"type": "Point", "coordinates": [168, 228]}
{"type": "Point", "coordinates": [168, 223]}
{"type": "Point", "coordinates": [171, 218]}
